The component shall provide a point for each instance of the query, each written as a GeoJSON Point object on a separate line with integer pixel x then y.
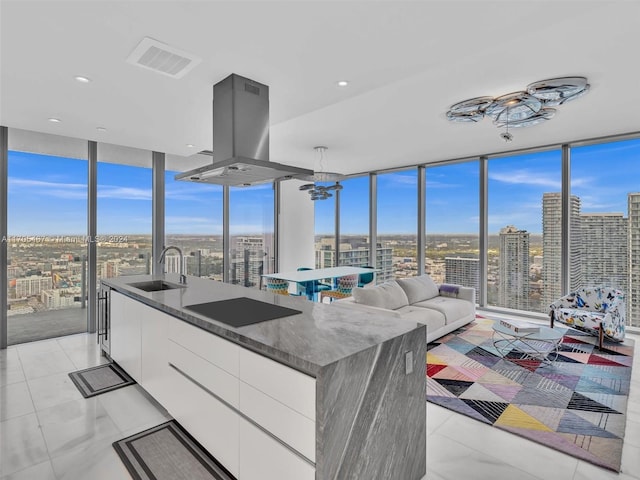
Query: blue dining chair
{"type": "Point", "coordinates": [366, 278]}
{"type": "Point", "coordinates": [312, 287]}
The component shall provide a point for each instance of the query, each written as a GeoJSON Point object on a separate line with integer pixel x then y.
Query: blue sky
{"type": "Point", "coordinates": [47, 196]}
{"type": "Point", "coordinates": [602, 175]}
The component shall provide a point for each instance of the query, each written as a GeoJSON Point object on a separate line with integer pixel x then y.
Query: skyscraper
{"type": "Point", "coordinates": [463, 271]}
{"type": "Point", "coordinates": [250, 258]}
{"type": "Point", "coordinates": [633, 291]}
{"type": "Point", "coordinates": [513, 281]}
{"type": "Point", "coordinates": [552, 247]}
{"type": "Point", "coordinates": [604, 250]}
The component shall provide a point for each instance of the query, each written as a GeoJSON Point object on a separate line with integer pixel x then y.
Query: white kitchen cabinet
{"type": "Point", "coordinates": [208, 383]}
{"type": "Point", "coordinates": [213, 378]}
{"type": "Point", "coordinates": [125, 333]}
{"type": "Point", "coordinates": [207, 419]}
{"type": "Point", "coordinates": [216, 350]}
{"type": "Point", "coordinates": [154, 351]}
{"type": "Point", "coordinates": [292, 428]}
{"type": "Point", "coordinates": [286, 385]}
{"type": "Point", "coordinates": [265, 458]}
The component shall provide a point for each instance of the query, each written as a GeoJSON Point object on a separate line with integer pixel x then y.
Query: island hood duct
{"type": "Point", "coordinates": [241, 138]}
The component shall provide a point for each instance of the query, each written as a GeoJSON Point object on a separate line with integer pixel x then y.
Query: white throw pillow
{"type": "Point", "coordinates": [419, 288]}
{"type": "Point", "coordinates": [388, 295]}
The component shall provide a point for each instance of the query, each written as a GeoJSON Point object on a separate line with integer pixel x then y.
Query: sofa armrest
{"type": "Point", "coordinates": [468, 294]}
{"type": "Point", "coordinates": [458, 291]}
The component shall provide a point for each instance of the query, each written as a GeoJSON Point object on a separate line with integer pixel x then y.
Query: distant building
{"type": "Point", "coordinates": [357, 257]}
{"type": "Point", "coordinates": [250, 258]}
{"type": "Point", "coordinates": [552, 247]}
{"type": "Point", "coordinates": [633, 292]}
{"type": "Point", "coordinates": [33, 285]}
{"type": "Point", "coordinates": [513, 280]}
{"type": "Point", "coordinates": [605, 254]}
{"type": "Point", "coordinates": [109, 269]}
{"type": "Point", "coordinates": [463, 271]}
{"type": "Point", "coordinates": [54, 299]}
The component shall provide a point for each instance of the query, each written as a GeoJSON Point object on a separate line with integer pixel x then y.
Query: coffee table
{"type": "Point", "coordinates": [531, 345]}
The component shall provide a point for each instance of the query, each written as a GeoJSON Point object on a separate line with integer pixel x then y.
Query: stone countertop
{"type": "Point", "coordinates": [309, 341]}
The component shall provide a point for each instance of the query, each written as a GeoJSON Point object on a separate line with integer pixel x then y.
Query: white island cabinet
{"type": "Point", "coordinates": [254, 415]}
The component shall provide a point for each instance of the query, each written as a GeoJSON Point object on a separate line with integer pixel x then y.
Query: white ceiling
{"type": "Point", "coordinates": [406, 61]}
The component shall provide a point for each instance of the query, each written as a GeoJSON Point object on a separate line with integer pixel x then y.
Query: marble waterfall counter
{"type": "Point", "coordinates": [369, 413]}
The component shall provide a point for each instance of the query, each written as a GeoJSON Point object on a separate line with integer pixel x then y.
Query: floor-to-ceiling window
{"type": "Point", "coordinates": [605, 181]}
{"type": "Point", "coordinates": [251, 226]}
{"type": "Point", "coordinates": [452, 241]}
{"type": "Point", "coordinates": [123, 246]}
{"type": "Point", "coordinates": [325, 230]}
{"type": "Point", "coordinates": [354, 222]}
{"type": "Point", "coordinates": [397, 204]}
{"type": "Point", "coordinates": [193, 223]}
{"type": "Point", "coordinates": [47, 244]}
{"type": "Point", "coordinates": [523, 256]}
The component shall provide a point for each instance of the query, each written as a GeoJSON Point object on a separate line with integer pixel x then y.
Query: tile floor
{"type": "Point", "coordinates": [49, 432]}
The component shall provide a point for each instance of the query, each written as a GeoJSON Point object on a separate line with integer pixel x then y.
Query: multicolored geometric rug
{"type": "Point", "coordinates": [576, 405]}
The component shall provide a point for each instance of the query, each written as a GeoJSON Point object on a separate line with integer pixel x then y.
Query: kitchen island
{"type": "Point", "coordinates": [326, 393]}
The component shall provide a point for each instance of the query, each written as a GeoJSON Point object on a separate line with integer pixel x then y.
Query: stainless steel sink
{"type": "Point", "coordinates": [155, 285]}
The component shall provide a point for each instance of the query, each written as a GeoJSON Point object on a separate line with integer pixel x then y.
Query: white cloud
{"type": "Point", "coordinates": [437, 184]}
{"type": "Point", "coordinates": [527, 177]}
{"type": "Point", "coordinates": [192, 192]}
{"type": "Point", "coordinates": [124, 193]}
{"type": "Point", "coordinates": [71, 191]}
{"type": "Point", "coordinates": [582, 181]}
{"type": "Point", "coordinates": [398, 180]}
{"type": "Point", "coordinates": [25, 182]}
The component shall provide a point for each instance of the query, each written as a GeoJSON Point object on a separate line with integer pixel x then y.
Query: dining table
{"type": "Point", "coordinates": [332, 273]}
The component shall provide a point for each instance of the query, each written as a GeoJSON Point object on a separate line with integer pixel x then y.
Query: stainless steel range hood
{"type": "Point", "coordinates": [241, 138]}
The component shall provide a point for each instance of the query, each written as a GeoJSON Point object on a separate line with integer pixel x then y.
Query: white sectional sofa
{"type": "Point", "coordinates": [442, 308]}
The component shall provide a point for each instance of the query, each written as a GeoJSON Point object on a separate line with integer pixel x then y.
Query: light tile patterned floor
{"type": "Point", "coordinates": [49, 432]}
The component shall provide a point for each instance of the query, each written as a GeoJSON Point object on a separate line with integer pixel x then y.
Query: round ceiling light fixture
{"type": "Point", "coordinates": [471, 110]}
{"type": "Point", "coordinates": [342, 83]}
{"type": "Point", "coordinates": [557, 91]}
{"type": "Point", "coordinates": [523, 108]}
{"type": "Point", "coordinates": [54, 120]}
{"type": "Point", "coordinates": [81, 79]}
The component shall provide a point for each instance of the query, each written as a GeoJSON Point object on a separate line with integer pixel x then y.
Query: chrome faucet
{"type": "Point", "coordinates": [183, 277]}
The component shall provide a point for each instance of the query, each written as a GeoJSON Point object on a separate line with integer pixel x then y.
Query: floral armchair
{"type": "Point", "coordinates": [597, 310]}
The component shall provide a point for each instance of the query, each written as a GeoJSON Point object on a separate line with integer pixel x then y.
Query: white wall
{"type": "Point", "coordinates": [297, 227]}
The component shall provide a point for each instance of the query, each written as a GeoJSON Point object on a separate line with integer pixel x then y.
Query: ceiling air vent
{"type": "Point", "coordinates": [162, 58]}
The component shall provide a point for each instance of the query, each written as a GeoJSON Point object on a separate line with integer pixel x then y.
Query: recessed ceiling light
{"type": "Point", "coordinates": [54, 120]}
{"type": "Point", "coordinates": [101, 129]}
{"type": "Point", "coordinates": [81, 79]}
{"type": "Point", "coordinates": [190, 145]}
{"type": "Point", "coordinates": [342, 83]}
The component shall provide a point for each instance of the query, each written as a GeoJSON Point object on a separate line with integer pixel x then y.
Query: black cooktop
{"type": "Point", "coordinates": [238, 312]}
